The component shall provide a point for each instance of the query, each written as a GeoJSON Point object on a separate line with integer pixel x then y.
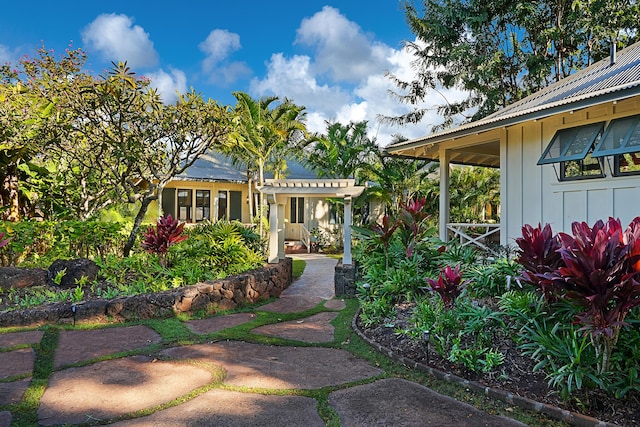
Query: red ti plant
{"type": "Point", "coordinates": [384, 232]}
{"type": "Point", "coordinates": [3, 241]}
{"type": "Point", "coordinates": [599, 272]}
{"type": "Point", "coordinates": [158, 239]}
{"type": "Point", "coordinates": [412, 219]}
{"type": "Point", "coordinates": [539, 256]}
{"type": "Point", "coordinates": [449, 285]}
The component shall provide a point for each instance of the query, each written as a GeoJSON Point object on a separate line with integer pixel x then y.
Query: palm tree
{"type": "Point", "coordinates": [263, 131]}
{"type": "Point", "coordinates": [342, 152]}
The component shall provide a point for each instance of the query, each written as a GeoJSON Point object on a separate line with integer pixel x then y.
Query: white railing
{"type": "Point", "coordinates": [305, 237]}
{"type": "Point", "coordinates": [474, 234]}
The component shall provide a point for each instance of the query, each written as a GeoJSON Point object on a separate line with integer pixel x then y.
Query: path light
{"type": "Point", "coordinates": [366, 287]}
{"type": "Point", "coordinates": [426, 336]}
{"type": "Point", "coordinates": [75, 314]}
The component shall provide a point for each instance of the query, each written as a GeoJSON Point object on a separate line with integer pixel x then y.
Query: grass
{"type": "Point", "coordinates": [174, 332]}
{"type": "Point", "coordinates": [298, 267]}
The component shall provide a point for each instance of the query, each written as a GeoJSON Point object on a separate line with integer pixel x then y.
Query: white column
{"type": "Point", "coordinates": [444, 193]}
{"type": "Point", "coordinates": [346, 258]}
{"type": "Point", "coordinates": [273, 229]}
{"type": "Point", "coordinates": [281, 231]}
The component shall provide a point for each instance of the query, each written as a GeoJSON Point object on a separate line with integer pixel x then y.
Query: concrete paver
{"type": "Point", "coordinates": [116, 387]}
{"type": "Point", "coordinates": [278, 367]}
{"type": "Point", "coordinates": [17, 362]}
{"type": "Point", "coordinates": [313, 329]}
{"type": "Point", "coordinates": [218, 323]}
{"type": "Point", "coordinates": [5, 419]}
{"type": "Point", "coordinates": [76, 346]}
{"type": "Point", "coordinates": [221, 408]}
{"type": "Point", "coordinates": [397, 402]}
{"type": "Point", "coordinates": [12, 392]}
{"type": "Point", "coordinates": [18, 338]}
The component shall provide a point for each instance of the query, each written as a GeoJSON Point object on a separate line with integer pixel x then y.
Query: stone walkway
{"type": "Point", "coordinates": [224, 383]}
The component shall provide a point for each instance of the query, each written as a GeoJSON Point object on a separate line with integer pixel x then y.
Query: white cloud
{"type": "Point", "coordinates": [341, 48]}
{"type": "Point", "coordinates": [292, 78]}
{"type": "Point", "coordinates": [218, 46]}
{"type": "Point", "coordinates": [116, 38]}
{"type": "Point", "coordinates": [169, 84]}
{"type": "Point", "coordinates": [5, 55]}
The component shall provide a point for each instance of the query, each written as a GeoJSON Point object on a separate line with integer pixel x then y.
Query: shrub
{"type": "Point", "coordinates": [449, 285]}
{"type": "Point", "coordinates": [166, 233]}
{"type": "Point", "coordinates": [598, 271]}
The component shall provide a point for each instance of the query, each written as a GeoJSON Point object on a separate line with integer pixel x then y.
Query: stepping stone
{"type": "Point", "coordinates": [314, 329]}
{"type": "Point", "coordinates": [17, 362]}
{"type": "Point", "coordinates": [76, 346]}
{"type": "Point", "coordinates": [233, 409]}
{"type": "Point", "coordinates": [218, 323]}
{"type": "Point", "coordinates": [116, 387]}
{"type": "Point", "coordinates": [275, 367]}
{"type": "Point", "coordinates": [291, 304]}
{"type": "Point", "coordinates": [17, 338]}
{"type": "Point", "coordinates": [397, 402]}
{"type": "Point", "coordinates": [12, 392]}
{"type": "Point", "coordinates": [335, 304]}
{"type": "Point", "coordinates": [5, 419]}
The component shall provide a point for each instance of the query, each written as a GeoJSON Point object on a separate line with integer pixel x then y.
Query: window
{"type": "Point", "coordinates": [184, 205]}
{"type": "Point", "coordinates": [622, 140]}
{"type": "Point", "coordinates": [297, 210]}
{"type": "Point", "coordinates": [203, 205]}
{"type": "Point", "coordinates": [230, 205]}
{"type": "Point", "coordinates": [222, 204]}
{"type": "Point", "coordinates": [573, 148]}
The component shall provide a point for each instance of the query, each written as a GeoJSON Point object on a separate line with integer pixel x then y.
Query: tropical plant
{"type": "Point", "coordinates": [598, 272]}
{"type": "Point", "coordinates": [158, 239]}
{"type": "Point", "coordinates": [449, 285]}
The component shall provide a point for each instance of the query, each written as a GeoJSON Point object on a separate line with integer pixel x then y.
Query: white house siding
{"type": "Point", "coordinates": [532, 194]}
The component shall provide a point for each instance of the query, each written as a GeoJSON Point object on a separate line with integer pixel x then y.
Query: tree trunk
{"type": "Point", "coordinates": [146, 201]}
{"type": "Point", "coordinates": [12, 193]}
{"type": "Point", "coordinates": [250, 193]}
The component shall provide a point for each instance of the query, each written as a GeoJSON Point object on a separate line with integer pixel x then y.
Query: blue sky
{"type": "Point", "coordinates": [328, 56]}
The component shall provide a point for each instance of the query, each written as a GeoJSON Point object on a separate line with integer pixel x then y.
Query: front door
{"type": "Point", "coordinates": [293, 230]}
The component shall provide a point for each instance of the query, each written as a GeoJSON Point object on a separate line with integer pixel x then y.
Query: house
{"type": "Point", "coordinates": [214, 188]}
{"type": "Point", "coordinates": [570, 152]}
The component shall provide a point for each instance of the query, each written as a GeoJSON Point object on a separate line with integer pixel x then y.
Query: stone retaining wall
{"type": "Point", "coordinates": [344, 280]}
{"type": "Point", "coordinates": [253, 286]}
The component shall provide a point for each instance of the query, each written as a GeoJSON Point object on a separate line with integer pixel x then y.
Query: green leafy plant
{"type": "Point", "coordinates": [57, 279]}
{"type": "Point", "coordinates": [158, 239]}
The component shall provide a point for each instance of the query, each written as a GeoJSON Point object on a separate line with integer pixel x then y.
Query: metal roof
{"type": "Point", "coordinates": [216, 167]}
{"type": "Point", "coordinates": [598, 83]}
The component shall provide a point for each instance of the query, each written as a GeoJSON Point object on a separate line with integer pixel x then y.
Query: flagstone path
{"type": "Point", "coordinates": [220, 382]}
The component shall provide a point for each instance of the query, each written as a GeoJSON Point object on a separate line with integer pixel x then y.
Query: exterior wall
{"type": "Point", "coordinates": [214, 188]}
{"type": "Point", "coordinates": [532, 194]}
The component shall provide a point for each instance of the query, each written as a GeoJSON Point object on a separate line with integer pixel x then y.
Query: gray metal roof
{"type": "Point", "coordinates": [216, 167]}
{"type": "Point", "coordinates": [598, 83]}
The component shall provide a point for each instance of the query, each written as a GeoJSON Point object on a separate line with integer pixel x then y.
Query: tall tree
{"type": "Point", "coordinates": [501, 51]}
{"type": "Point", "coordinates": [264, 130]}
{"type": "Point", "coordinates": [342, 152]}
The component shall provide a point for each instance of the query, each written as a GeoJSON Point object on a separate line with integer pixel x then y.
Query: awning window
{"type": "Point", "coordinates": [571, 144]}
{"type": "Point", "coordinates": [622, 136]}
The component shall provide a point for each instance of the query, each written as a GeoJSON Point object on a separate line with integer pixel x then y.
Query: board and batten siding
{"type": "Point", "coordinates": [532, 194]}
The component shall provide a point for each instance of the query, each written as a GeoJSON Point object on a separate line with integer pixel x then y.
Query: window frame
{"type": "Point", "coordinates": [188, 205]}
{"type": "Point", "coordinates": [296, 210]}
{"type": "Point", "coordinates": [624, 147]}
{"type": "Point", "coordinates": [205, 209]}
{"type": "Point", "coordinates": [596, 129]}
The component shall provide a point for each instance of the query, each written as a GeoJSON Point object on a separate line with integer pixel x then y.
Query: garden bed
{"type": "Point", "coordinates": [515, 375]}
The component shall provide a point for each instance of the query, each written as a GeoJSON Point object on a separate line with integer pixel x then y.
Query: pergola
{"type": "Point", "coordinates": [278, 191]}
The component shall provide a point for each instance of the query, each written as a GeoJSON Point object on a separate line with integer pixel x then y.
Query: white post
{"type": "Point", "coordinates": [444, 193]}
{"type": "Point", "coordinates": [346, 258]}
{"type": "Point", "coordinates": [281, 254]}
{"type": "Point", "coordinates": [273, 229]}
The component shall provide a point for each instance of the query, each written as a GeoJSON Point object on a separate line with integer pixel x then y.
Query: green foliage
{"type": "Point", "coordinates": [493, 279]}
{"type": "Point", "coordinates": [222, 247]}
{"type": "Point", "coordinates": [38, 243]}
